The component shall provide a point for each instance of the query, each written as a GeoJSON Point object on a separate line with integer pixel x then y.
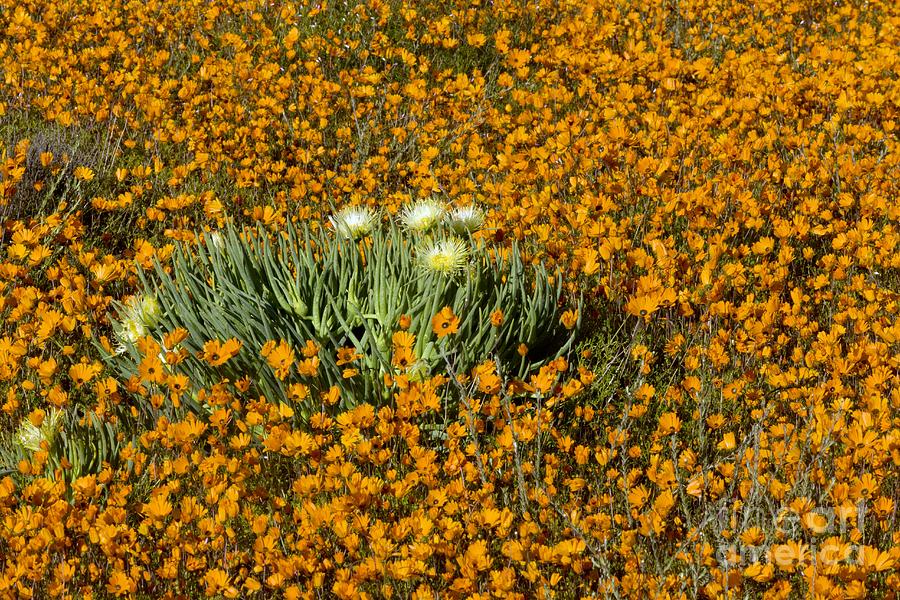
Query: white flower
{"type": "Point", "coordinates": [30, 437]}
{"type": "Point", "coordinates": [140, 314]}
{"type": "Point", "coordinates": [149, 311]}
{"type": "Point", "coordinates": [418, 371]}
{"type": "Point", "coordinates": [422, 216]}
{"type": "Point", "coordinates": [215, 239]}
{"type": "Point", "coordinates": [466, 219]}
{"type": "Point", "coordinates": [447, 257]}
{"type": "Point", "coordinates": [353, 222]}
{"type": "Point", "coordinates": [131, 330]}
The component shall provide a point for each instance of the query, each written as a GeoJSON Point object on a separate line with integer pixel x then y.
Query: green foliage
{"type": "Point", "coordinates": [43, 185]}
{"type": "Point", "coordinates": [82, 438]}
{"type": "Point", "coordinates": [308, 284]}
{"type": "Point", "coordinates": [87, 441]}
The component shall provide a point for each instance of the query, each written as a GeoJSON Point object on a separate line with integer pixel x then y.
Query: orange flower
{"type": "Point", "coordinates": [175, 337]}
{"type": "Point", "coordinates": [643, 306]}
{"type": "Point", "coordinates": [790, 556]}
{"type": "Point", "coordinates": [569, 319]}
{"type": "Point", "coordinates": [332, 395]}
{"type": "Point", "coordinates": [403, 339]}
{"type": "Point", "coordinates": [476, 558]}
{"type": "Point", "coordinates": [83, 173]}
{"type": "Point", "coordinates": [871, 559]}
{"type": "Point", "coordinates": [403, 357]}
{"type": "Point", "coordinates": [46, 369]}
{"type": "Point", "coordinates": [279, 357]}
{"type": "Point", "coordinates": [120, 584]}
{"type": "Point", "coordinates": [497, 318]}
{"type": "Point", "coordinates": [445, 322]}
{"type": "Point", "coordinates": [106, 388]}
{"type": "Point", "coordinates": [158, 507]}
{"type": "Point", "coordinates": [309, 367]}
{"type": "Point", "coordinates": [36, 417]}
{"type": "Point", "coordinates": [216, 353]}
{"type": "Point", "coordinates": [150, 370]}
{"type": "Point", "coordinates": [863, 488]}
{"type": "Point", "coordinates": [216, 580]}
{"type": "Point", "coordinates": [83, 373]}
{"type": "Point", "coordinates": [310, 349]}
{"type": "Point", "coordinates": [298, 392]}
{"type": "Point", "coordinates": [177, 384]}
{"type": "Point", "coordinates": [346, 356]}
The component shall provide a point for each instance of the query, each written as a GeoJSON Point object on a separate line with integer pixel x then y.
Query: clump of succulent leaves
{"type": "Point", "coordinates": [335, 294]}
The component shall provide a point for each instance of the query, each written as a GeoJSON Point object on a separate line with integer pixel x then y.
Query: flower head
{"type": "Point", "coordinates": [215, 239]}
{"type": "Point", "coordinates": [149, 311]}
{"type": "Point", "coordinates": [445, 322]}
{"type": "Point", "coordinates": [30, 436]}
{"type": "Point", "coordinates": [140, 314]}
{"type": "Point", "coordinates": [422, 216]}
{"type": "Point", "coordinates": [569, 319]}
{"type": "Point", "coordinates": [129, 331]}
{"type": "Point", "coordinates": [418, 371]}
{"type": "Point", "coordinates": [217, 353]}
{"type": "Point", "coordinates": [353, 222]}
{"type": "Point", "coordinates": [465, 219]}
{"type": "Point", "coordinates": [644, 305]}
{"type": "Point", "coordinates": [447, 257]}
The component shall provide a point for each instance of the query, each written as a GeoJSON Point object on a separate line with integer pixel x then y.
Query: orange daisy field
{"type": "Point", "coordinates": [675, 374]}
